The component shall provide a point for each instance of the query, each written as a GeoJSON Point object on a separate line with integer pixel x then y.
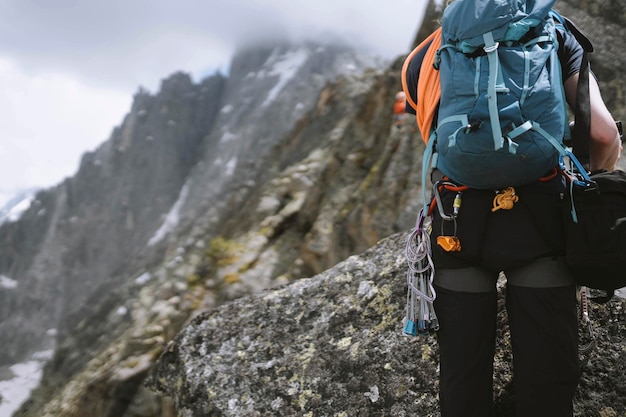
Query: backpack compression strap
{"type": "Point", "coordinates": [496, 85]}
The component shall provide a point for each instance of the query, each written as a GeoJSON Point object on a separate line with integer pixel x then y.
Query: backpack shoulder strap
{"type": "Point", "coordinates": [582, 109]}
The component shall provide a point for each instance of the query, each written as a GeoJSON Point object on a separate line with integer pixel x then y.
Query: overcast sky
{"type": "Point", "coordinates": [69, 68]}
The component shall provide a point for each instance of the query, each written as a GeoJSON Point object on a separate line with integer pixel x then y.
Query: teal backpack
{"type": "Point", "coordinates": [502, 116]}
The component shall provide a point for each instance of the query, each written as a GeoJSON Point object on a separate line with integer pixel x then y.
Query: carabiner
{"type": "Point", "coordinates": [442, 213]}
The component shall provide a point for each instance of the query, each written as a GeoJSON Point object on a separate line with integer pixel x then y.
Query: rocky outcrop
{"type": "Point", "coordinates": [85, 235]}
{"type": "Point", "coordinates": [181, 160]}
{"type": "Point", "coordinates": [333, 345]}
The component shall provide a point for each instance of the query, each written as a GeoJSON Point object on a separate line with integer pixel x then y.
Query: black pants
{"type": "Point", "coordinates": [544, 333]}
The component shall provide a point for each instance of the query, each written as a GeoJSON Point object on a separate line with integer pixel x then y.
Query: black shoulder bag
{"type": "Point", "coordinates": [595, 230]}
{"type": "Point", "coordinates": [595, 208]}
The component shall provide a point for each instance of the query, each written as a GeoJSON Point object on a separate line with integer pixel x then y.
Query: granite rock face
{"type": "Point", "coordinates": [332, 345]}
{"type": "Point", "coordinates": [181, 159]}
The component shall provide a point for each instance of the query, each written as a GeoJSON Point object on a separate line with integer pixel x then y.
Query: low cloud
{"type": "Point", "coordinates": [68, 68]}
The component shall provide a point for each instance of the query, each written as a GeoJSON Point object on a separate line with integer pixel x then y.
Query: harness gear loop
{"type": "Point", "coordinates": [505, 200]}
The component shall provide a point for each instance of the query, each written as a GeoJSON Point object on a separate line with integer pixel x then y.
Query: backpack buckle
{"type": "Point", "coordinates": [472, 127]}
{"type": "Point", "coordinates": [491, 48]}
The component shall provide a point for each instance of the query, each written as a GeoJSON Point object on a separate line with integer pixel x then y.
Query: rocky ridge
{"type": "Point", "coordinates": [199, 203]}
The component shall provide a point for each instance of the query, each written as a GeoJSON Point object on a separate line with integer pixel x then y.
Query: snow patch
{"type": "Point", "coordinates": [171, 219]}
{"type": "Point", "coordinates": [16, 206]}
{"type": "Point", "coordinates": [143, 278]}
{"type": "Point", "coordinates": [25, 377]}
{"type": "Point", "coordinates": [286, 68]}
{"type": "Point", "coordinates": [227, 137]}
{"type": "Point", "coordinates": [7, 283]}
{"type": "Point", "coordinates": [230, 166]}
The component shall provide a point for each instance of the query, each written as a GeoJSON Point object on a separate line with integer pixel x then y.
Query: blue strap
{"type": "Point", "coordinates": [572, 205]}
{"type": "Point", "coordinates": [565, 152]}
{"type": "Point", "coordinates": [495, 75]}
{"type": "Point", "coordinates": [455, 118]}
{"type": "Point", "coordinates": [562, 150]}
{"type": "Point", "coordinates": [462, 118]}
{"type": "Point", "coordinates": [437, 59]}
{"type": "Point", "coordinates": [477, 78]}
{"type": "Point", "coordinates": [426, 160]}
{"type": "Point", "coordinates": [523, 128]}
{"type": "Point", "coordinates": [556, 71]}
{"type": "Point", "coordinates": [538, 39]}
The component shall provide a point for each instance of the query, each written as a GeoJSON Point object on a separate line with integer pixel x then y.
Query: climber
{"type": "Point", "coordinates": [399, 109]}
{"type": "Point", "coordinates": [517, 230]}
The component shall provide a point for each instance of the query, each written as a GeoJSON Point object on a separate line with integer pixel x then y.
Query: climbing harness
{"type": "Point", "coordinates": [420, 315]}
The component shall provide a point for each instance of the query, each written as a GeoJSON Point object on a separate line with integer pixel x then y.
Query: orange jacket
{"type": "Point", "coordinates": [399, 105]}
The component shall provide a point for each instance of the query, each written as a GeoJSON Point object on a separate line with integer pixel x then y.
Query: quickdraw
{"type": "Point", "coordinates": [420, 315]}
